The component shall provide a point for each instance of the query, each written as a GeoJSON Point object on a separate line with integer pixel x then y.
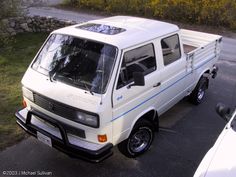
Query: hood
{"type": "Point", "coordinates": [223, 162]}
{"type": "Point", "coordinates": [61, 92]}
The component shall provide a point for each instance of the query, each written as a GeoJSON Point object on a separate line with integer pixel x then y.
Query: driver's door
{"type": "Point", "coordinates": [128, 102]}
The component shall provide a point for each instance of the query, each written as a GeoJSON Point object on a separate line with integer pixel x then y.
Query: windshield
{"type": "Point", "coordinates": [78, 62]}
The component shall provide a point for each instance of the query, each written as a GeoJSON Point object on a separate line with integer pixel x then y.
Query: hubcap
{"type": "Point", "coordinates": [200, 94]}
{"type": "Point", "coordinates": [140, 140]}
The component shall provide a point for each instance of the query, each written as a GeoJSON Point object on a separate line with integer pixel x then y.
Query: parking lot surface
{"type": "Point", "coordinates": [186, 134]}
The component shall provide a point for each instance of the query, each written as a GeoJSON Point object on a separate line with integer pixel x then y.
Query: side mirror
{"type": "Point", "coordinates": [223, 111]}
{"type": "Point", "coordinates": [138, 79]}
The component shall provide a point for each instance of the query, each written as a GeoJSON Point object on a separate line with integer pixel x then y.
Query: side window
{"type": "Point", "coordinates": [141, 59]}
{"type": "Point", "coordinates": [170, 49]}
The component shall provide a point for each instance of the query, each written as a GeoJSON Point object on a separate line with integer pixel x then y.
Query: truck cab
{"type": "Point", "coordinates": [106, 82]}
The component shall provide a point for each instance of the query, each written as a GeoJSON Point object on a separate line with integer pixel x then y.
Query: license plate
{"type": "Point", "coordinates": [44, 139]}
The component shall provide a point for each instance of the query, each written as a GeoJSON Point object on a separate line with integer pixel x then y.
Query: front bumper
{"type": "Point", "coordinates": [62, 143]}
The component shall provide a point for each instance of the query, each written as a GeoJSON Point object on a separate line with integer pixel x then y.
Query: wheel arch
{"type": "Point", "coordinates": [149, 114]}
{"type": "Point", "coordinates": [205, 73]}
{"type": "Point", "coordinates": [198, 93]}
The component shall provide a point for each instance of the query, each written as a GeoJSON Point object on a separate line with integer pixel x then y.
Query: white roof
{"type": "Point", "coordinates": [137, 30]}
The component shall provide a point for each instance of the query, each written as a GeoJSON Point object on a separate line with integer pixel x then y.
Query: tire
{"type": "Point", "coordinates": [198, 93]}
{"type": "Point", "coordinates": [139, 141]}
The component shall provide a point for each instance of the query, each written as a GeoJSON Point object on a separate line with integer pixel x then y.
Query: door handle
{"type": "Point", "coordinates": [157, 84]}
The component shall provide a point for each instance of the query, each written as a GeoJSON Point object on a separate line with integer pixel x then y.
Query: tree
{"type": "Point", "coordinates": [8, 8]}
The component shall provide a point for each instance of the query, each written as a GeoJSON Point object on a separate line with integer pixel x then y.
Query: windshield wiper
{"type": "Point", "coordinates": [79, 82]}
{"type": "Point", "coordinates": [51, 76]}
{"type": "Point", "coordinates": [86, 86]}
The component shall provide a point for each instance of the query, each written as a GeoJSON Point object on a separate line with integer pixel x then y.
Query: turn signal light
{"type": "Point", "coordinates": [24, 103]}
{"type": "Point", "coordinates": [102, 138]}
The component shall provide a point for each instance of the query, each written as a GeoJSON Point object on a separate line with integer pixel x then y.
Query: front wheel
{"type": "Point", "coordinates": [198, 93]}
{"type": "Point", "coordinates": [139, 140]}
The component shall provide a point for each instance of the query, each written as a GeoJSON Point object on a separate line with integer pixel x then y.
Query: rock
{"type": "Point", "coordinates": [5, 22]}
{"type": "Point", "coordinates": [29, 20]}
{"type": "Point", "coordinates": [20, 31]}
{"type": "Point", "coordinates": [21, 19]}
{"type": "Point", "coordinates": [33, 29]}
{"type": "Point", "coordinates": [33, 24]}
{"type": "Point", "coordinates": [4, 34]}
{"type": "Point", "coordinates": [12, 24]}
{"type": "Point", "coordinates": [30, 30]}
{"type": "Point", "coordinates": [10, 30]}
{"type": "Point", "coordinates": [13, 33]}
{"type": "Point", "coordinates": [25, 27]}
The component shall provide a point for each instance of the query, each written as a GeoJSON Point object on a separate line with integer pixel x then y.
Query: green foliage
{"type": "Point", "coordinates": [5, 39]}
{"type": "Point", "coordinates": [9, 8]}
{"type": "Point", "coordinates": [208, 12]}
{"type": "Point", "coordinates": [14, 60]}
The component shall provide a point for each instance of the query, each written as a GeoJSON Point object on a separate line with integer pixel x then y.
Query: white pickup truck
{"type": "Point", "coordinates": [106, 82]}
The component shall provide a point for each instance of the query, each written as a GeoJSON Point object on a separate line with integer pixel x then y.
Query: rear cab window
{"type": "Point", "coordinates": [141, 59]}
{"type": "Point", "coordinates": [170, 49]}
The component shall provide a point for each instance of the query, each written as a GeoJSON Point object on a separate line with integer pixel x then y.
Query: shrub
{"type": "Point", "coordinates": [8, 8]}
{"type": "Point", "coordinates": [209, 12]}
{"type": "Point", "coordinates": [216, 12]}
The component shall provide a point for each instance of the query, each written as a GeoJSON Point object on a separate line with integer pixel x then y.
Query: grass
{"type": "Point", "coordinates": [14, 60]}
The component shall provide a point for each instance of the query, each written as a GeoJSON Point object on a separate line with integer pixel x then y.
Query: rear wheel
{"type": "Point", "coordinates": [198, 93]}
{"type": "Point", "coordinates": [139, 140]}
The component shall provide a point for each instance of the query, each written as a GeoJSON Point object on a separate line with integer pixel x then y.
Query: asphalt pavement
{"type": "Point", "coordinates": [187, 132]}
{"type": "Point", "coordinates": [62, 14]}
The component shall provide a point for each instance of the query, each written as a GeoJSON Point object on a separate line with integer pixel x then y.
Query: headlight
{"type": "Point", "coordinates": [87, 119]}
{"type": "Point", "coordinates": [28, 94]}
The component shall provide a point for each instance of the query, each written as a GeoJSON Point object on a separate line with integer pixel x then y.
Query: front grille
{"type": "Point", "coordinates": [55, 107]}
{"type": "Point", "coordinates": [60, 109]}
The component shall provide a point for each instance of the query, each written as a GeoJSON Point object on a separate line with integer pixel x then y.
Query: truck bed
{"type": "Point", "coordinates": [188, 48]}
{"type": "Point", "coordinates": [200, 48]}
{"type": "Point", "coordinates": [194, 40]}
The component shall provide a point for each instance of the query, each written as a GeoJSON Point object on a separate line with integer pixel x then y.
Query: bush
{"type": "Point", "coordinates": [8, 8]}
{"type": "Point", "coordinates": [208, 12]}
{"type": "Point", "coordinates": [219, 13]}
